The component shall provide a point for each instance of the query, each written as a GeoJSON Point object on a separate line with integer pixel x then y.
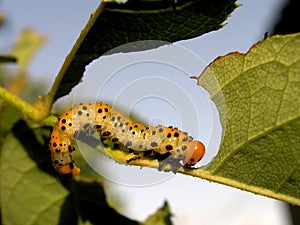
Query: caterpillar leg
{"type": "Point", "coordinates": [135, 157]}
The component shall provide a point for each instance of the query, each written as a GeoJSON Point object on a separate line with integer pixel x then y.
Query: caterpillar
{"type": "Point", "coordinates": [164, 142]}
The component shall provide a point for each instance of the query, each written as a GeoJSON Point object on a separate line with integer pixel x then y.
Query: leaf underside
{"type": "Point", "coordinates": [120, 24]}
{"type": "Point", "coordinates": [258, 98]}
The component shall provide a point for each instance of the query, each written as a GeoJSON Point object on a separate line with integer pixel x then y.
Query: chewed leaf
{"type": "Point", "coordinates": [258, 98]}
{"type": "Point", "coordinates": [114, 24]}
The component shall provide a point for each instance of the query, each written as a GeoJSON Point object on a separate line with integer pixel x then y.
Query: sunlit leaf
{"type": "Point", "coordinates": [258, 98]}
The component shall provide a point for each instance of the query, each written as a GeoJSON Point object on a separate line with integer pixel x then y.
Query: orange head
{"type": "Point", "coordinates": [194, 152]}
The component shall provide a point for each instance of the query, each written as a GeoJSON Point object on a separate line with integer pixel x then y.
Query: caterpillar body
{"type": "Point", "coordinates": [160, 141]}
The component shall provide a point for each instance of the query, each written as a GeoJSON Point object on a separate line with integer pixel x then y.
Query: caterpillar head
{"type": "Point", "coordinates": [194, 152]}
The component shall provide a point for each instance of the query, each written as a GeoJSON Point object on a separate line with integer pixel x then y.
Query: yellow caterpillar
{"type": "Point", "coordinates": [113, 126]}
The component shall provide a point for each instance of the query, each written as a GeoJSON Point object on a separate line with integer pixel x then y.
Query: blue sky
{"type": "Point", "coordinates": [143, 190]}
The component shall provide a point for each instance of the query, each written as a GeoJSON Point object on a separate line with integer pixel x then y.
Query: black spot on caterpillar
{"type": "Point", "coordinates": [111, 125]}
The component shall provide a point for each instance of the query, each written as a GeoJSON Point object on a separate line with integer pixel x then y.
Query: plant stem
{"type": "Point", "coordinates": [204, 174]}
{"type": "Point", "coordinates": [49, 121]}
{"type": "Point", "coordinates": [41, 109]}
{"type": "Point", "coordinates": [122, 157]}
{"type": "Point", "coordinates": [20, 104]}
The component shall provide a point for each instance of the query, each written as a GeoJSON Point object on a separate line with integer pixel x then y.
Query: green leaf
{"type": "Point", "coordinates": [28, 195]}
{"type": "Point", "coordinates": [258, 98]}
{"type": "Point", "coordinates": [161, 217]}
{"type": "Point", "coordinates": [32, 193]}
{"type": "Point", "coordinates": [117, 24]}
{"type": "Point", "coordinates": [8, 117]}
